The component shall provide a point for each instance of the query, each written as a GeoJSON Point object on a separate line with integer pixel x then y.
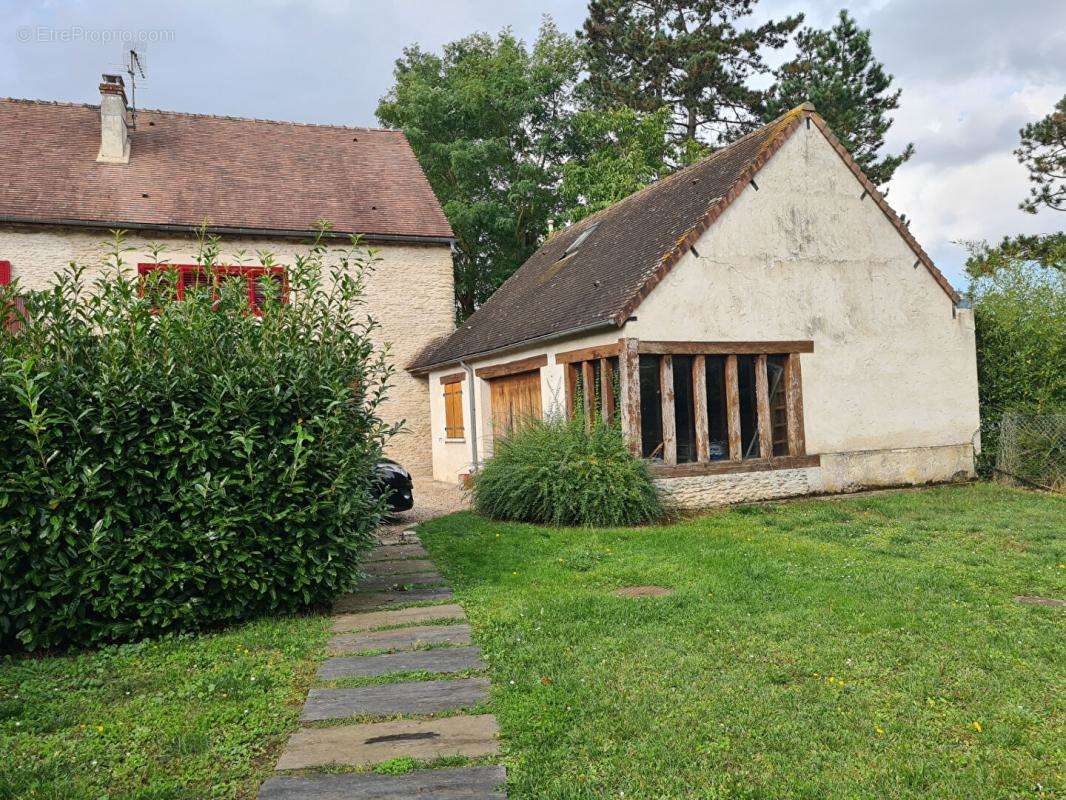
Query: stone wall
{"type": "Point", "coordinates": [706, 491]}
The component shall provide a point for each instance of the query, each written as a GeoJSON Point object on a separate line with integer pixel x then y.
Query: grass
{"type": "Point", "coordinates": [181, 718]}
{"type": "Point", "coordinates": [860, 648]}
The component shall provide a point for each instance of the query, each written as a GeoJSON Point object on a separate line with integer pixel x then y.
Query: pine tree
{"type": "Point", "coordinates": [1043, 153]}
{"type": "Point", "coordinates": [685, 54]}
{"type": "Point", "coordinates": [836, 70]}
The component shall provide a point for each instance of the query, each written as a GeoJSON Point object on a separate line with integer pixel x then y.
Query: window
{"type": "Point", "coordinates": [453, 406]}
{"type": "Point", "coordinates": [592, 384]}
{"type": "Point", "coordinates": [179, 281]}
{"type": "Point", "coordinates": [580, 240]}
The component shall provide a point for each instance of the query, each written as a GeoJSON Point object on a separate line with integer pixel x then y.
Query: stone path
{"type": "Point", "coordinates": [379, 636]}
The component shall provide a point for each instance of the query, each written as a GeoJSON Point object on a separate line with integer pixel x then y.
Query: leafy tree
{"type": "Point", "coordinates": [487, 120]}
{"type": "Point", "coordinates": [1047, 250]}
{"type": "Point", "coordinates": [1043, 153]}
{"type": "Point", "coordinates": [685, 54]}
{"type": "Point", "coordinates": [836, 70]}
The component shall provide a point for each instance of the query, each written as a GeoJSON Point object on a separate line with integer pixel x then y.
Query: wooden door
{"type": "Point", "coordinates": [514, 398]}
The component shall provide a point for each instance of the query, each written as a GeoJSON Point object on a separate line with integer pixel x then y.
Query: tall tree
{"type": "Point", "coordinates": [686, 54]}
{"type": "Point", "coordinates": [487, 119]}
{"type": "Point", "coordinates": [1043, 153]}
{"type": "Point", "coordinates": [836, 70]}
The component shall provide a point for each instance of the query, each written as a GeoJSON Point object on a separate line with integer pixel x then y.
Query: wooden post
{"type": "Point", "coordinates": [797, 445]}
{"type": "Point", "coordinates": [732, 396]}
{"type": "Point", "coordinates": [699, 402]}
{"type": "Point", "coordinates": [762, 404]}
{"type": "Point", "coordinates": [666, 392]}
{"type": "Point", "coordinates": [571, 389]}
{"type": "Point", "coordinates": [607, 390]}
{"type": "Point", "coordinates": [588, 379]}
{"type": "Point", "coordinates": [629, 388]}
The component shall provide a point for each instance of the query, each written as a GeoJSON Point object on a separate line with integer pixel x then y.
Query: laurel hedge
{"type": "Point", "coordinates": [168, 466]}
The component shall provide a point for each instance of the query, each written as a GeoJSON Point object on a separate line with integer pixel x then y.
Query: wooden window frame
{"type": "Point", "coordinates": [796, 456]}
{"type": "Point", "coordinates": [447, 384]}
{"type": "Point", "coordinates": [248, 273]}
{"type": "Point", "coordinates": [580, 364]}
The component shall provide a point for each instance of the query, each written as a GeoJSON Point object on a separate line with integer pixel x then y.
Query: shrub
{"type": "Point", "coordinates": [559, 472]}
{"type": "Point", "coordinates": [175, 467]}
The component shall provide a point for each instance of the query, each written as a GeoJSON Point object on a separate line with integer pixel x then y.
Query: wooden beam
{"type": "Point", "coordinates": [587, 353]}
{"type": "Point", "coordinates": [666, 392]}
{"type": "Point", "coordinates": [726, 467]}
{"type": "Point", "coordinates": [797, 444]}
{"type": "Point", "coordinates": [512, 367]}
{"type": "Point", "coordinates": [607, 390]}
{"type": "Point", "coordinates": [727, 348]}
{"type": "Point", "coordinates": [629, 388]}
{"type": "Point", "coordinates": [732, 396]}
{"type": "Point", "coordinates": [571, 389]}
{"type": "Point", "coordinates": [762, 405]}
{"type": "Point", "coordinates": [699, 403]}
{"type": "Point", "coordinates": [588, 381]}
{"type": "Point", "coordinates": [455, 377]}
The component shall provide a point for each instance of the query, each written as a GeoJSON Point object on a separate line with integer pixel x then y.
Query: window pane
{"type": "Point", "coordinates": [775, 373]}
{"type": "Point", "coordinates": [717, 410]}
{"type": "Point", "coordinates": [651, 411]}
{"type": "Point", "coordinates": [749, 409]}
{"type": "Point", "coordinates": [684, 415]}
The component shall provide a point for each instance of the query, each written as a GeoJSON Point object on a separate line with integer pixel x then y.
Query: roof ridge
{"type": "Point", "coordinates": [229, 117]}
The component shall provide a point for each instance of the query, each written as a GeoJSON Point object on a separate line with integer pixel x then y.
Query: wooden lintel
{"type": "Point", "coordinates": [699, 406]}
{"type": "Point", "coordinates": [666, 392]}
{"type": "Point", "coordinates": [455, 377]}
{"type": "Point", "coordinates": [512, 367]}
{"type": "Point", "coordinates": [762, 406]}
{"type": "Point", "coordinates": [587, 353]}
{"type": "Point", "coordinates": [726, 467]}
{"type": "Point", "coordinates": [629, 389]}
{"type": "Point", "coordinates": [727, 348]}
{"type": "Point", "coordinates": [732, 395]}
{"type": "Point", "coordinates": [797, 443]}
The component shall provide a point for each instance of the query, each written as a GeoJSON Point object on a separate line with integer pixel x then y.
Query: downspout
{"type": "Point", "coordinates": [472, 403]}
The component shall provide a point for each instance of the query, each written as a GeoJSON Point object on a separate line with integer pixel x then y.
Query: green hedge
{"type": "Point", "coordinates": [172, 468]}
{"type": "Point", "coordinates": [560, 472]}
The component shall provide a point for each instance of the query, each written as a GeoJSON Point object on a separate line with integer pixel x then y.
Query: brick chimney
{"type": "Point", "coordinates": [114, 125]}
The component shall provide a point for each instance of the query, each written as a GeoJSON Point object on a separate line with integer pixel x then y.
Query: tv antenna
{"type": "Point", "coordinates": [134, 67]}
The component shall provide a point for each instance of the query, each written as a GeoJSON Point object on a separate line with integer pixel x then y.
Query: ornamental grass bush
{"type": "Point", "coordinates": [562, 472]}
{"type": "Point", "coordinates": [168, 466]}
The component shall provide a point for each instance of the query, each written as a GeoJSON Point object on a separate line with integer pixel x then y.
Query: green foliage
{"type": "Point", "coordinates": [1039, 250]}
{"type": "Point", "coordinates": [836, 70]}
{"type": "Point", "coordinates": [171, 468]}
{"type": "Point", "coordinates": [560, 472]}
{"type": "Point", "coordinates": [1043, 153]}
{"type": "Point", "coordinates": [688, 55]}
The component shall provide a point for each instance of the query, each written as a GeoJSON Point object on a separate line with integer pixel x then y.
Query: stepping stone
{"type": "Point", "coordinates": [399, 639]}
{"type": "Point", "coordinates": [399, 567]}
{"type": "Point", "coordinates": [365, 601]}
{"type": "Point", "coordinates": [463, 783]}
{"type": "Point", "coordinates": [442, 659]}
{"type": "Point", "coordinates": [346, 623]}
{"type": "Point", "coordinates": [408, 536]}
{"type": "Point", "coordinates": [397, 551]}
{"type": "Point", "coordinates": [395, 581]}
{"type": "Point", "coordinates": [1033, 600]}
{"type": "Point", "coordinates": [361, 745]}
{"type": "Point", "coordinates": [394, 699]}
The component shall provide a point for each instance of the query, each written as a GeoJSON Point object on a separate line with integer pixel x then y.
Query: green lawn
{"type": "Point", "coordinates": [178, 719]}
{"type": "Point", "coordinates": [857, 648]}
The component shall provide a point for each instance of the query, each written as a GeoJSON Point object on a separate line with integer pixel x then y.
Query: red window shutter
{"type": "Point", "coordinates": [5, 273]}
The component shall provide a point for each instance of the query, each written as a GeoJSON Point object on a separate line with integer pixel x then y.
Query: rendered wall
{"type": "Point", "coordinates": [410, 292]}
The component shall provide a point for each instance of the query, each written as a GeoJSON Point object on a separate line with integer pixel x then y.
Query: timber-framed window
{"type": "Point", "coordinates": [592, 382]}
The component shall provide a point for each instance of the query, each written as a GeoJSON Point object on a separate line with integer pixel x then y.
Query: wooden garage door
{"type": "Point", "coordinates": [514, 398]}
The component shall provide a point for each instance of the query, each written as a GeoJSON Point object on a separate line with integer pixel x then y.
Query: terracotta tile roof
{"type": "Point", "coordinates": [629, 248]}
{"type": "Point", "coordinates": [235, 173]}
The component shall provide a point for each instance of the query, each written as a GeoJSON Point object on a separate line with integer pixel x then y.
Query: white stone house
{"type": "Point", "coordinates": [71, 173]}
{"type": "Point", "coordinates": [763, 322]}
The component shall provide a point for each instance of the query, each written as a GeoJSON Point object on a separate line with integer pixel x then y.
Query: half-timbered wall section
{"type": "Point", "coordinates": [592, 382]}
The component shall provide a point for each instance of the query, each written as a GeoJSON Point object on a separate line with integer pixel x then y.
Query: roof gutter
{"type": "Point", "coordinates": [525, 343]}
{"type": "Point", "coordinates": [279, 233]}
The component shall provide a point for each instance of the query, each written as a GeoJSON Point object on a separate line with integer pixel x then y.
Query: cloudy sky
{"type": "Point", "coordinates": [972, 72]}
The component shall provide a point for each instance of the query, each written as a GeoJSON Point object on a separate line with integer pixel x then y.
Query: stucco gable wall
{"type": "Point", "coordinates": [803, 257]}
{"type": "Point", "coordinates": [410, 293]}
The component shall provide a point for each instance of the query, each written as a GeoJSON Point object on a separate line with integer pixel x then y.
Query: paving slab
{"type": "Point", "coordinates": [399, 567]}
{"type": "Point", "coordinates": [393, 552]}
{"type": "Point", "coordinates": [378, 582]}
{"type": "Point", "coordinates": [348, 623]}
{"type": "Point", "coordinates": [462, 783]}
{"type": "Point", "coordinates": [442, 659]}
{"type": "Point", "coordinates": [399, 639]}
{"type": "Point", "coordinates": [392, 537]}
{"type": "Point", "coordinates": [367, 601]}
{"type": "Point", "coordinates": [362, 745]}
{"type": "Point", "coordinates": [395, 699]}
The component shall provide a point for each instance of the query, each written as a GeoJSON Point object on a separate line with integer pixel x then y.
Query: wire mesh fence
{"type": "Point", "coordinates": [1032, 449]}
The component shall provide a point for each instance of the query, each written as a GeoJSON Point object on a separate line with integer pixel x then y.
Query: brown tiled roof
{"type": "Point", "coordinates": [233, 173]}
{"type": "Point", "coordinates": [633, 244]}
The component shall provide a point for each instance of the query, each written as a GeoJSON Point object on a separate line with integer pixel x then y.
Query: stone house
{"type": "Point", "coordinates": [71, 173]}
{"type": "Point", "coordinates": [762, 322]}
